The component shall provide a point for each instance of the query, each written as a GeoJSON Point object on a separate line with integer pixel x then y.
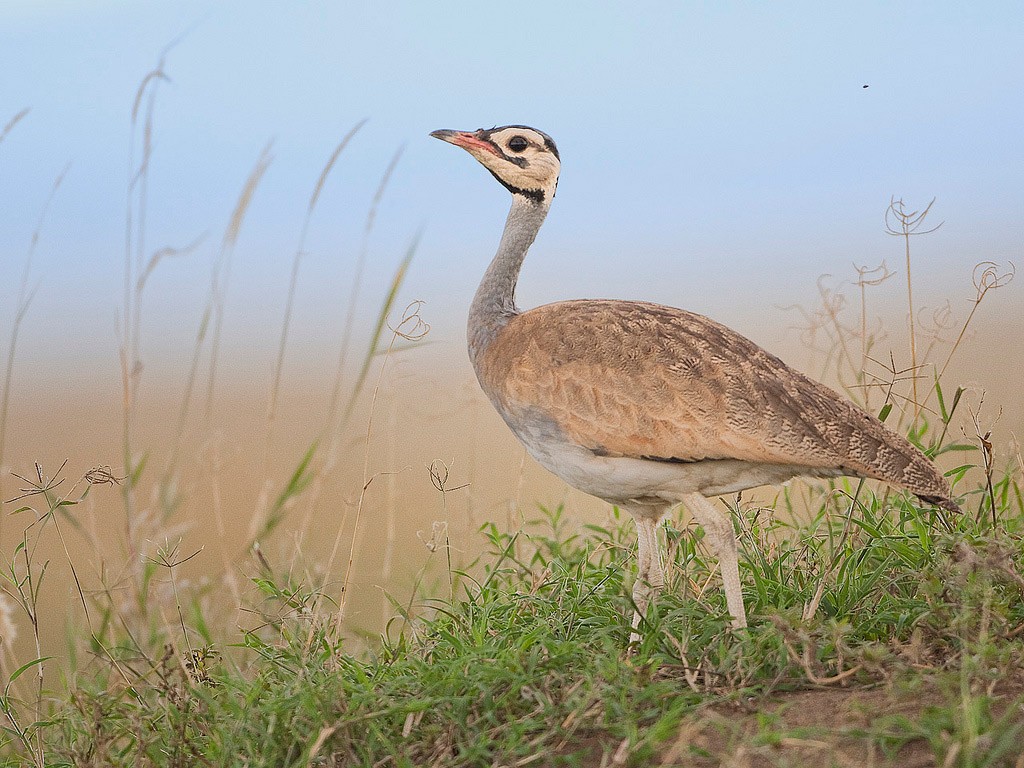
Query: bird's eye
{"type": "Point", "coordinates": [518, 143]}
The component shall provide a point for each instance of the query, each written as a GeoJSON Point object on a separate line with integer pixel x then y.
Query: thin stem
{"type": "Point", "coordinates": [913, 339]}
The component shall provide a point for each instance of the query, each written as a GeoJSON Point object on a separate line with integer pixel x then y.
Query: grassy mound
{"type": "Point", "coordinates": [875, 633]}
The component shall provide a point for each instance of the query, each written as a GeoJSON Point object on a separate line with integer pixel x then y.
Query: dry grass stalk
{"type": "Point", "coordinates": [986, 277]}
{"type": "Point", "coordinates": [21, 307]}
{"type": "Point", "coordinates": [262, 505]}
{"type": "Point", "coordinates": [390, 501]}
{"type": "Point", "coordinates": [439, 473]}
{"type": "Point", "coordinates": [411, 327]}
{"type": "Point", "coordinates": [220, 279]}
{"type": "Point", "coordinates": [332, 425]}
{"type": "Point", "coordinates": [867, 277]}
{"type": "Point", "coordinates": [900, 222]}
{"type": "Point", "coordinates": [353, 299]}
{"type": "Point", "coordinates": [13, 122]}
{"type": "Point", "coordinates": [134, 246]}
{"type": "Point", "coordinates": [296, 263]}
{"type": "Point", "coordinates": [371, 352]}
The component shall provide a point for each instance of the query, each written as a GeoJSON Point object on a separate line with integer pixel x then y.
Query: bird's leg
{"type": "Point", "coordinates": [719, 533]}
{"type": "Point", "coordinates": [650, 574]}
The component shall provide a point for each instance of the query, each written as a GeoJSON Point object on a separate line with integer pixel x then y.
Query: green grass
{"type": "Point", "coordinates": [527, 666]}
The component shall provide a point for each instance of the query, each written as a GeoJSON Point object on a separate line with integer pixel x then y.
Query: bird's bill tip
{"type": "Point", "coordinates": [468, 140]}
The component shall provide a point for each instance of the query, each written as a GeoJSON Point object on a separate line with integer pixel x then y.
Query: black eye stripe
{"type": "Point", "coordinates": [547, 141]}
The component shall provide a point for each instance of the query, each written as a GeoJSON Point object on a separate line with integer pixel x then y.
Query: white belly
{"type": "Point", "coordinates": [623, 479]}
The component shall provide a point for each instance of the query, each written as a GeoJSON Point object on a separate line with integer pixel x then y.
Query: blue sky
{"type": "Point", "coordinates": [717, 156]}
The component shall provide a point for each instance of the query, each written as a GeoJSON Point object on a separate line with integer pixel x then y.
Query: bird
{"type": "Point", "coordinates": [647, 406]}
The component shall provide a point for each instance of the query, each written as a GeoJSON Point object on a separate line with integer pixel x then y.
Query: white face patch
{"type": "Point", "coordinates": [526, 161]}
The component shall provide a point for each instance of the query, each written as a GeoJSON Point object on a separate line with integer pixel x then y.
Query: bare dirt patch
{"type": "Point", "coordinates": [882, 726]}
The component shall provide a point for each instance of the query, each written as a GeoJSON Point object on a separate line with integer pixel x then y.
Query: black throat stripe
{"type": "Point", "coordinates": [537, 195]}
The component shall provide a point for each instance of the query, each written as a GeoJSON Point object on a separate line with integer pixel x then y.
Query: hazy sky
{"type": "Point", "coordinates": [715, 156]}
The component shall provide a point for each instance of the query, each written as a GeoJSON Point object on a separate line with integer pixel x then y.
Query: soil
{"type": "Point", "coordinates": [828, 727]}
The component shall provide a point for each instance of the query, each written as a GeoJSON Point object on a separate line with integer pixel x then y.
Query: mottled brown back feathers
{"type": "Point", "coordinates": [647, 381]}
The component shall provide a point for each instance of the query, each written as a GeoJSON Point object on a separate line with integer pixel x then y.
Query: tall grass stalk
{"type": "Point", "coordinates": [410, 327]}
{"type": "Point", "coordinates": [220, 281]}
{"type": "Point", "coordinates": [332, 432]}
{"type": "Point", "coordinates": [439, 473]}
{"type": "Point", "coordinates": [13, 122]}
{"type": "Point", "coordinates": [130, 325]}
{"type": "Point", "coordinates": [213, 315]}
{"type": "Point", "coordinates": [21, 307]}
{"type": "Point", "coordinates": [296, 263]}
{"type": "Point", "coordinates": [867, 277]}
{"type": "Point", "coordinates": [259, 521]}
{"type": "Point", "coordinates": [900, 222]}
{"type": "Point", "coordinates": [353, 301]}
{"type": "Point", "coordinates": [987, 276]}
{"type": "Point", "coordinates": [392, 436]}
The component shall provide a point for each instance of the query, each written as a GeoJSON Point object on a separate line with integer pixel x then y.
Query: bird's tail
{"type": "Point", "coordinates": [947, 505]}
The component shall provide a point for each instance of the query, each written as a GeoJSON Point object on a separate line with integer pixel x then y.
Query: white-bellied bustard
{"type": "Point", "coordinates": [646, 406]}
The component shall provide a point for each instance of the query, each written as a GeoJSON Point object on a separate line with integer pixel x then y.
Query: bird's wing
{"type": "Point", "coordinates": [647, 381]}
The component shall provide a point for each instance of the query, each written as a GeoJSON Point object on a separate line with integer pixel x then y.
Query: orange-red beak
{"type": "Point", "coordinates": [466, 140]}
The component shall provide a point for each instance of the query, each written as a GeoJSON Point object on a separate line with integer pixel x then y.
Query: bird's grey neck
{"type": "Point", "coordinates": [495, 301]}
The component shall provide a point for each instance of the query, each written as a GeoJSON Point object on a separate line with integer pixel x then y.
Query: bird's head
{"type": "Point", "coordinates": [523, 159]}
